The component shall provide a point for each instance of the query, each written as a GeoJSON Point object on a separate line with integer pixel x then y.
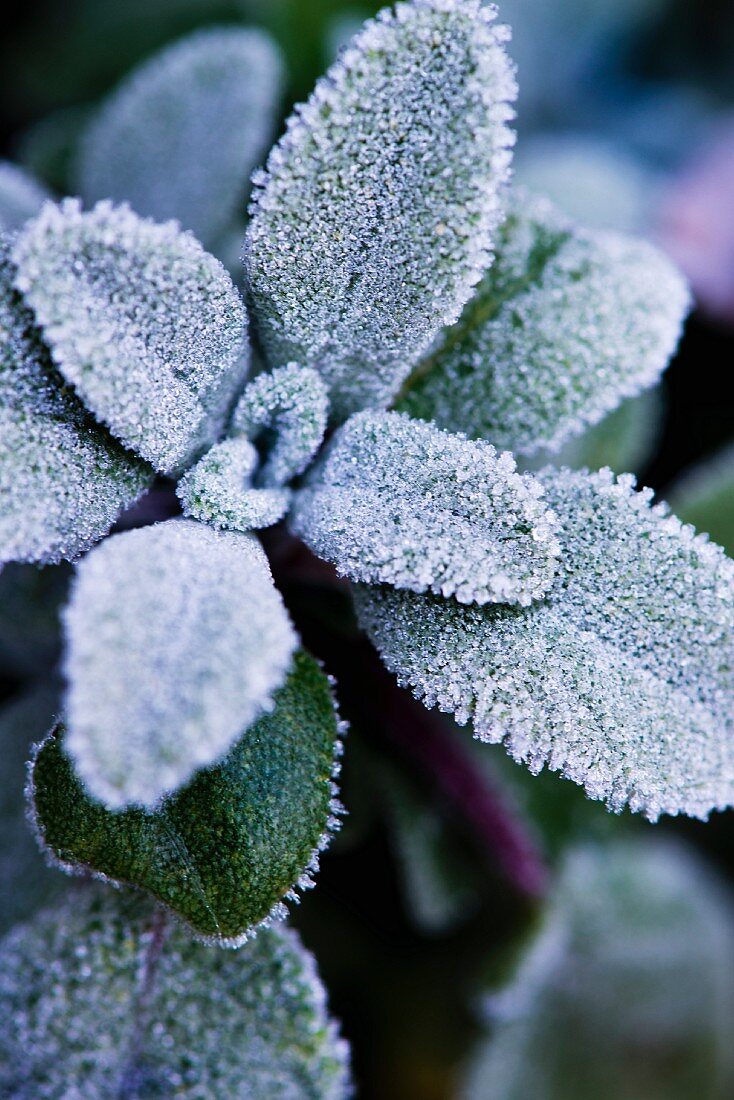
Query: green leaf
{"type": "Point", "coordinates": [25, 880]}
{"type": "Point", "coordinates": [626, 993]}
{"type": "Point", "coordinates": [146, 326]}
{"type": "Point", "coordinates": [621, 678]}
{"type": "Point", "coordinates": [398, 501]}
{"type": "Point", "coordinates": [181, 134]}
{"type": "Point", "coordinates": [704, 497]}
{"type": "Point", "coordinates": [376, 215]}
{"type": "Point", "coordinates": [176, 642]}
{"type": "Point", "coordinates": [219, 490]}
{"type": "Point", "coordinates": [101, 1002]}
{"type": "Point", "coordinates": [224, 851]}
{"type": "Point", "coordinates": [20, 196]}
{"type": "Point", "coordinates": [63, 479]}
{"type": "Point", "coordinates": [565, 325]}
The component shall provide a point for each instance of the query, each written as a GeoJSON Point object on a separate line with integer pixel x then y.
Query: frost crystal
{"type": "Point", "coordinates": [20, 197]}
{"type": "Point", "coordinates": [182, 133]}
{"type": "Point", "coordinates": [401, 502]}
{"type": "Point", "coordinates": [63, 480]}
{"type": "Point", "coordinates": [146, 326]}
{"type": "Point", "coordinates": [375, 219]}
{"type": "Point", "coordinates": [621, 679]}
{"type": "Point", "coordinates": [287, 408]}
{"type": "Point", "coordinates": [564, 326]}
{"type": "Point", "coordinates": [177, 639]}
{"type": "Point", "coordinates": [633, 967]}
{"type": "Point", "coordinates": [219, 490]}
{"type": "Point", "coordinates": [81, 1022]}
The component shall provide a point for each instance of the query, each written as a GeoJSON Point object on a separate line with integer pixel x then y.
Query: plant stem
{"type": "Point", "coordinates": [130, 1078]}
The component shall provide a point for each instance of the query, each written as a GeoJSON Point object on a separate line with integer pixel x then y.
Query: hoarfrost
{"type": "Point", "coordinates": [375, 218]}
{"type": "Point", "coordinates": [219, 490]}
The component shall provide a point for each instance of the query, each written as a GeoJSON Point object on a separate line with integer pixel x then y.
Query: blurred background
{"type": "Point", "coordinates": [484, 934]}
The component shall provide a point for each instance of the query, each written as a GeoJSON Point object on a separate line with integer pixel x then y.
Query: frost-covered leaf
{"type": "Point", "coordinates": [622, 678]}
{"type": "Point", "coordinates": [219, 490]}
{"type": "Point", "coordinates": [21, 196]}
{"type": "Point", "coordinates": [375, 219]}
{"type": "Point", "coordinates": [145, 325]}
{"type": "Point", "coordinates": [565, 325]}
{"type": "Point", "coordinates": [399, 501]}
{"type": "Point", "coordinates": [626, 993]}
{"type": "Point", "coordinates": [63, 479]}
{"type": "Point", "coordinates": [288, 409]}
{"type": "Point", "coordinates": [704, 496]}
{"type": "Point", "coordinates": [182, 133]}
{"type": "Point", "coordinates": [80, 1022]}
{"type": "Point", "coordinates": [176, 641]}
{"type": "Point", "coordinates": [225, 850]}
{"type": "Point", "coordinates": [25, 880]}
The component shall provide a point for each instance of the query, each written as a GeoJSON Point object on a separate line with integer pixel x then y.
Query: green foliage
{"type": "Point", "coordinates": [223, 851]}
{"type": "Point", "coordinates": [194, 1023]}
{"type": "Point", "coordinates": [145, 325]}
{"type": "Point", "coordinates": [565, 325]}
{"type": "Point", "coordinates": [375, 218]}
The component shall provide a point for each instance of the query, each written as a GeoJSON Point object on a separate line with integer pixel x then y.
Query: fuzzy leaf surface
{"type": "Point", "coordinates": [227, 1024]}
{"type": "Point", "coordinates": [63, 479]}
{"type": "Point", "coordinates": [181, 134]}
{"type": "Point", "coordinates": [219, 490]}
{"type": "Point", "coordinates": [176, 642]}
{"type": "Point", "coordinates": [621, 678]}
{"type": "Point", "coordinates": [375, 217]}
{"type": "Point", "coordinates": [565, 325]}
{"type": "Point", "coordinates": [147, 327]}
{"type": "Point", "coordinates": [397, 501]}
{"type": "Point", "coordinates": [225, 850]}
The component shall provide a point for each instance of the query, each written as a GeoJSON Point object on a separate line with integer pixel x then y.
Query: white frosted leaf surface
{"type": "Point", "coordinates": [398, 501]}
{"type": "Point", "coordinates": [375, 218]}
{"type": "Point", "coordinates": [176, 642]}
{"type": "Point", "coordinates": [181, 134]}
{"type": "Point", "coordinates": [78, 1023]}
{"type": "Point", "coordinates": [219, 490]}
{"type": "Point", "coordinates": [291, 406]}
{"type": "Point", "coordinates": [627, 990]}
{"type": "Point", "coordinates": [63, 479]}
{"type": "Point", "coordinates": [622, 678]}
{"type": "Point", "coordinates": [147, 326]}
{"type": "Point", "coordinates": [565, 325]}
{"type": "Point", "coordinates": [21, 196]}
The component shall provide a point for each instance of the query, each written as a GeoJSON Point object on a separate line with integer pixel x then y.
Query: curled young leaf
{"type": "Point", "coordinates": [176, 641]}
{"type": "Point", "coordinates": [63, 479]}
{"type": "Point", "coordinates": [219, 490]}
{"type": "Point", "coordinates": [182, 133]}
{"type": "Point", "coordinates": [375, 218]}
{"type": "Point", "coordinates": [621, 678]}
{"type": "Point", "coordinates": [289, 407]}
{"type": "Point", "coordinates": [627, 990]}
{"type": "Point", "coordinates": [225, 850]}
{"type": "Point", "coordinates": [145, 325]}
{"type": "Point", "coordinates": [565, 325]}
{"type": "Point", "coordinates": [21, 196]}
{"type": "Point", "coordinates": [101, 1000]}
{"type": "Point", "coordinates": [398, 501]}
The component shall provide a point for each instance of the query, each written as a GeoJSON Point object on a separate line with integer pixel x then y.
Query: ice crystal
{"type": "Point", "coordinates": [180, 136]}
{"type": "Point", "coordinates": [621, 679]}
{"type": "Point", "coordinates": [230, 847]}
{"type": "Point", "coordinates": [86, 1014]}
{"type": "Point", "coordinates": [219, 490]}
{"type": "Point", "coordinates": [146, 326]}
{"type": "Point", "coordinates": [633, 967]}
{"type": "Point", "coordinates": [21, 196]}
{"type": "Point", "coordinates": [177, 639]}
{"type": "Point", "coordinates": [399, 501]}
{"type": "Point", "coordinates": [63, 479]}
{"type": "Point", "coordinates": [565, 325]}
{"type": "Point", "coordinates": [376, 215]}
{"type": "Point", "coordinates": [288, 409]}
